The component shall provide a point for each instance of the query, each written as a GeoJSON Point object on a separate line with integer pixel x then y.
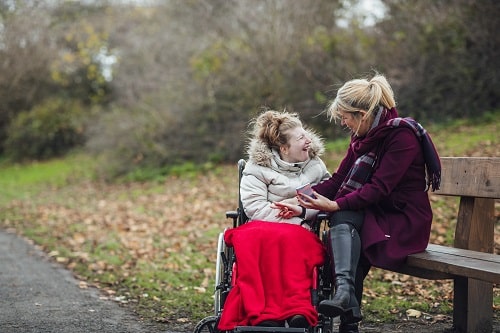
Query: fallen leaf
{"type": "Point", "coordinates": [413, 313]}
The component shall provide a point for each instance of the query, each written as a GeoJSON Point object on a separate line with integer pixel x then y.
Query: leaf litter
{"type": "Point", "coordinates": [113, 229]}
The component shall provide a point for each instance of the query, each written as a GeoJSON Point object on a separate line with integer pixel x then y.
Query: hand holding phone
{"type": "Point", "coordinates": [306, 189]}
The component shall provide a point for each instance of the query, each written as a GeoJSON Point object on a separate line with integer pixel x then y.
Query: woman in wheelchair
{"type": "Point", "coordinates": [276, 255]}
{"type": "Point", "coordinates": [379, 192]}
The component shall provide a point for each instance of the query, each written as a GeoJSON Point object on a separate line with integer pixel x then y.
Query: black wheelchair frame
{"type": "Point", "coordinates": [224, 275]}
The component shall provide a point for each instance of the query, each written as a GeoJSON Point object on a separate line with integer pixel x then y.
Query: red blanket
{"type": "Point", "coordinates": [275, 263]}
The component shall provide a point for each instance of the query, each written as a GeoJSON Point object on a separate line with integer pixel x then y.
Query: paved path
{"type": "Point", "coordinates": [37, 295]}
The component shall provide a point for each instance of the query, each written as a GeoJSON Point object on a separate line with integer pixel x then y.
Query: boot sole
{"type": "Point", "coordinates": [330, 311]}
{"type": "Point", "coordinates": [349, 316]}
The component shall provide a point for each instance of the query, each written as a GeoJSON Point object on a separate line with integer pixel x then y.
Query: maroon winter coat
{"type": "Point", "coordinates": [398, 213]}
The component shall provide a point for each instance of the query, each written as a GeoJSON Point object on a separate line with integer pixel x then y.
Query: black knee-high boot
{"type": "Point", "coordinates": [361, 271]}
{"type": "Point", "coordinates": [345, 250]}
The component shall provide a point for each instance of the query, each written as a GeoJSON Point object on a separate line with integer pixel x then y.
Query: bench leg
{"type": "Point", "coordinates": [472, 306]}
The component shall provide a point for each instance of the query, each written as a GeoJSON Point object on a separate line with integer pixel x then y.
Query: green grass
{"type": "Point", "coordinates": [23, 181]}
{"type": "Point", "coordinates": [464, 137]}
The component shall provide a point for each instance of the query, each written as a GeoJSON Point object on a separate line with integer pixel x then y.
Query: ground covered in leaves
{"type": "Point", "coordinates": [152, 246]}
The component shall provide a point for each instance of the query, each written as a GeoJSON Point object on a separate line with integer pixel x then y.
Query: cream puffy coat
{"type": "Point", "coordinates": [267, 178]}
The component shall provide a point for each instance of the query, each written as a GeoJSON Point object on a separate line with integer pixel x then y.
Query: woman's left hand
{"type": "Point", "coordinates": [317, 202]}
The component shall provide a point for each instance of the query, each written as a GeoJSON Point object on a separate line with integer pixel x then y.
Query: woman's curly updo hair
{"type": "Point", "coordinates": [272, 127]}
{"type": "Point", "coordinates": [362, 94]}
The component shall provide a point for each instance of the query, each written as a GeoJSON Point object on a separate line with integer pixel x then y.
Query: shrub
{"type": "Point", "coordinates": [48, 130]}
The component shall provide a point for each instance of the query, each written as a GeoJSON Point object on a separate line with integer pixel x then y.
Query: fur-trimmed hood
{"type": "Point", "coordinates": [259, 153]}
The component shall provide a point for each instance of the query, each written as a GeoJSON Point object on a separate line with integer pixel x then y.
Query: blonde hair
{"type": "Point", "coordinates": [362, 94]}
{"type": "Point", "coordinates": [272, 127]}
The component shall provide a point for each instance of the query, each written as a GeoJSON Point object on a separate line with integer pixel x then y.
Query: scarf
{"type": "Point", "coordinates": [359, 173]}
{"type": "Point", "coordinates": [367, 150]}
{"type": "Point", "coordinates": [431, 157]}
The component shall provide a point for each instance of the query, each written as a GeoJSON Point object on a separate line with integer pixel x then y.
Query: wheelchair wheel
{"type": "Point", "coordinates": [206, 325]}
{"type": "Point", "coordinates": [219, 273]}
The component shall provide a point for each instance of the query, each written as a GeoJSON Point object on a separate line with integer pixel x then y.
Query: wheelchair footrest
{"type": "Point", "coordinates": [269, 329]}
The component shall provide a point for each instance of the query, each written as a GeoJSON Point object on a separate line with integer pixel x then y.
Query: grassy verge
{"type": "Point", "coordinates": [151, 244]}
{"type": "Point", "coordinates": [25, 181]}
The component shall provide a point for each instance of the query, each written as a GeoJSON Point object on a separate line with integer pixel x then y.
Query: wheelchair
{"type": "Point", "coordinates": [225, 272]}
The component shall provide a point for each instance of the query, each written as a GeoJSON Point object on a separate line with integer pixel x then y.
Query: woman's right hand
{"type": "Point", "coordinates": [317, 202]}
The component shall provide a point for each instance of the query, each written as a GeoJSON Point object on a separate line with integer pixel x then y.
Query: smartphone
{"type": "Point", "coordinates": [306, 189]}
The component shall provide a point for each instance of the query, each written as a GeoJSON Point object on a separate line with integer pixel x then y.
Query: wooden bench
{"type": "Point", "coordinates": [471, 262]}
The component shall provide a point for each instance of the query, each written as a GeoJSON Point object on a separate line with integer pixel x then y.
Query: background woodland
{"type": "Point", "coordinates": [163, 83]}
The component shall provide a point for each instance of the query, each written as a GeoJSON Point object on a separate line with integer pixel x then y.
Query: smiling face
{"type": "Point", "coordinates": [357, 122]}
{"type": "Point", "coordinates": [297, 147]}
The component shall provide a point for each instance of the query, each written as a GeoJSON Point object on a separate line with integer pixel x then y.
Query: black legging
{"type": "Point", "coordinates": [352, 217]}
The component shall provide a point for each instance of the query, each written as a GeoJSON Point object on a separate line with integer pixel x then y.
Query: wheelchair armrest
{"type": "Point", "coordinates": [232, 214]}
{"type": "Point", "coordinates": [315, 224]}
{"type": "Point", "coordinates": [322, 216]}
{"type": "Point", "coordinates": [236, 216]}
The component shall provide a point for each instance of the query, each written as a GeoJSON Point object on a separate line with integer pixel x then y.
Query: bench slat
{"type": "Point", "coordinates": [423, 273]}
{"type": "Point", "coordinates": [440, 258]}
{"type": "Point", "coordinates": [470, 176]}
{"type": "Point", "coordinates": [465, 253]}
